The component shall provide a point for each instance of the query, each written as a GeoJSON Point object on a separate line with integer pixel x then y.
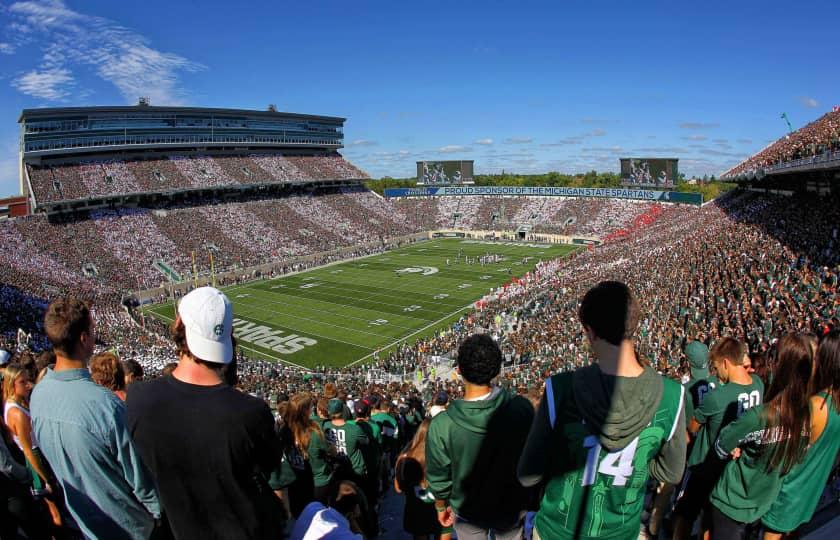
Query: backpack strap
{"type": "Point", "coordinates": [549, 399]}
{"type": "Point", "coordinates": [671, 389]}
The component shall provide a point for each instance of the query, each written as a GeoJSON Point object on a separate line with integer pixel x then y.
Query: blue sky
{"type": "Point", "coordinates": [521, 86]}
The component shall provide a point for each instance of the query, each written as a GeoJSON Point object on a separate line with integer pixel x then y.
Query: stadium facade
{"type": "Point", "coordinates": [66, 135]}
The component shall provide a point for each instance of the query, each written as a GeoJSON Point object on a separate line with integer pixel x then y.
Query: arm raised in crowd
{"type": "Point", "coordinates": [533, 463]}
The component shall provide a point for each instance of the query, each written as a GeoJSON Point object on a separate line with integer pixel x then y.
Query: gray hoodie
{"type": "Point", "coordinates": [618, 409]}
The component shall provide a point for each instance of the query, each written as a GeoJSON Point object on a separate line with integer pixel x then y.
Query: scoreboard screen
{"type": "Point", "coordinates": [649, 172]}
{"type": "Point", "coordinates": [444, 172]}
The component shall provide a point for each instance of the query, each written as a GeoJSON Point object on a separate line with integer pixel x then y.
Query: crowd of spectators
{"type": "Point", "coordinates": [820, 136]}
{"type": "Point", "coordinates": [101, 178]}
{"type": "Point", "coordinates": [550, 215]}
{"type": "Point", "coordinates": [749, 266]}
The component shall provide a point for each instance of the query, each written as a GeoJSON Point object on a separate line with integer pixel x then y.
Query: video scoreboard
{"type": "Point", "coordinates": [430, 173]}
{"type": "Point", "coordinates": [649, 172]}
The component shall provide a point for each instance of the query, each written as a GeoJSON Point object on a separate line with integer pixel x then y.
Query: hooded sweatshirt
{"type": "Point", "coordinates": [472, 449]}
{"type": "Point", "coordinates": [596, 439]}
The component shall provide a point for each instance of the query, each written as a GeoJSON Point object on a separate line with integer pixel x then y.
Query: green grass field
{"type": "Point", "coordinates": [340, 314]}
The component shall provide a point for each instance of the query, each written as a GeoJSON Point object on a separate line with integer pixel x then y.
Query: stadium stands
{"type": "Point", "coordinates": [749, 265]}
{"type": "Point", "coordinates": [820, 138]}
{"type": "Point", "coordinates": [114, 177]}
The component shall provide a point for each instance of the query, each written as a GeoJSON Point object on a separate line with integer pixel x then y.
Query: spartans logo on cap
{"type": "Point", "coordinates": [218, 329]}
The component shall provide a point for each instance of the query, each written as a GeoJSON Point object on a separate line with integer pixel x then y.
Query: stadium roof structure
{"type": "Point", "coordinates": [32, 114]}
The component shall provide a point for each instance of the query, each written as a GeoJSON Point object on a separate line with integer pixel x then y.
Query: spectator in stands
{"type": "Point", "coordinates": [338, 521]}
{"type": "Point", "coordinates": [628, 419]}
{"type": "Point", "coordinates": [4, 361]}
{"type": "Point", "coordinates": [168, 369]}
{"type": "Point", "coordinates": [348, 439]}
{"type": "Point", "coordinates": [803, 485]}
{"type": "Point", "coordinates": [17, 387]}
{"type": "Point", "coordinates": [106, 370]}
{"type": "Point", "coordinates": [17, 506]}
{"type": "Point", "coordinates": [307, 454]}
{"type": "Point", "coordinates": [419, 515]}
{"type": "Point", "coordinates": [439, 404]}
{"type": "Point", "coordinates": [81, 430]}
{"type": "Point", "coordinates": [210, 448]}
{"type": "Point", "coordinates": [738, 392]}
{"type": "Point", "coordinates": [133, 371]}
{"type": "Point", "coordinates": [767, 442]}
{"type": "Point", "coordinates": [372, 452]}
{"type": "Point", "coordinates": [473, 447]}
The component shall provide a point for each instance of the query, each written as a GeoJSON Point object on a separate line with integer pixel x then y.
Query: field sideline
{"type": "Point", "coordinates": [339, 314]}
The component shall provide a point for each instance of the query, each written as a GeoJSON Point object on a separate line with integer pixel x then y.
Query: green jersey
{"type": "Point", "coordinates": [695, 392]}
{"type": "Point", "coordinates": [803, 485]}
{"type": "Point", "coordinates": [594, 493]}
{"type": "Point", "coordinates": [348, 440]}
{"type": "Point", "coordinates": [721, 407]}
{"type": "Point", "coordinates": [747, 489]}
{"type": "Point", "coordinates": [389, 430]}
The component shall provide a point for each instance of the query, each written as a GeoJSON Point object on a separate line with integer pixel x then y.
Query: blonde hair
{"type": "Point", "coordinates": [9, 378]}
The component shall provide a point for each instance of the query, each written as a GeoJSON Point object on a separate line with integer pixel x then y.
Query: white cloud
{"type": "Point", "coordinates": [6, 48]}
{"type": "Point", "coordinates": [484, 142]}
{"type": "Point", "coordinates": [598, 132]}
{"type": "Point", "coordinates": [453, 148]}
{"type": "Point", "coordinates": [699, 125]}
{"type": "Point", "coordinates": [52, 84]}
{"type": "Point", "coordinates": [809, 102]}
{"type": "Point", "coordinates": [695, 138]}
{"type": "Point", "coordinates": [116, 54]}
{"type": "Point", "coordinates": [362, 142]}
{"type": "Point", "coordinates": [519, 140]}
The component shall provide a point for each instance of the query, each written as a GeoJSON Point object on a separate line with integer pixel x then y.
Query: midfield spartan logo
{"type": "Point", "coordinates": [269, 338]}
{"type": "Point", "coordinates": [422, 270]}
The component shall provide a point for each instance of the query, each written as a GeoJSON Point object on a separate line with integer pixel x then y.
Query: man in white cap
{"type": "Point", "coordinates": [210, 448]}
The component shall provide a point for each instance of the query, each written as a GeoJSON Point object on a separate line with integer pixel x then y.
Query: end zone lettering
{"type": "Point", "coordinates": [267, 337]}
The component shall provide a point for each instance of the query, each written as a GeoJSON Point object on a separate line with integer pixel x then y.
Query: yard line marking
{"type": "Point", "coordinates": [411, 334]}
{"type": "Point", "coordinates": [344, 315]}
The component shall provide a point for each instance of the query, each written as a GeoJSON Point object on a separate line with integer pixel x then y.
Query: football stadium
{"type": "Point", "coordinates": [214, 322]}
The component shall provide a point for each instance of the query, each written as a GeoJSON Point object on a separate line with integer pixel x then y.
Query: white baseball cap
{"type": "Point", "coordinates": [4, 357]}
{"type": "Point", "coordinates": [207, 315]}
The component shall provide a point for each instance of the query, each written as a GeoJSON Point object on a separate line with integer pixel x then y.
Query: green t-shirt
{"type": "Point", "coordinates": [726, 403]}
{"type": "Point", "coordinates": [372, 451]}
{"type": "Point", "coordinates": [596, 493]}
{"type": "Point", "coordinates": [746, 490]}
{"type": "Point", "coordinates": [318, 451]}
{"type": "Point", "coordinates": [803, 485]}
{"type": "Point", "coordinates": [348, 440]}
{"type": "Point", "coordinates": [389, 430]}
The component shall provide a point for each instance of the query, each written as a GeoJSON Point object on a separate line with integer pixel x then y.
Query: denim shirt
{"type": "Point", "coordinates": [81, 430]}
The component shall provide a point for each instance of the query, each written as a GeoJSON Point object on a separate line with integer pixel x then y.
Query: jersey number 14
{"type": "Point", "coordinates": [618, 464]}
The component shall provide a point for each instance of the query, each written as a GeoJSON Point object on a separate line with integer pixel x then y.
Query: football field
{"type": "Point", "coordinates": [340, 314]}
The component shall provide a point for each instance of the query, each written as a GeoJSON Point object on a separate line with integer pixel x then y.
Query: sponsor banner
{"type": "Point", "coordinates": [449, 235]}
{"type": "Point", "coordinates": [603, 193]}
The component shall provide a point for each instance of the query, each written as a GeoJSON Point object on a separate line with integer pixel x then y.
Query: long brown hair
{"type": "Point", "coordinates": [827, 369]}
{"type": "Point", "coordinates": [417, 448]}
{"type": "Point", "coordinates": [298, 421]}
{"type": "Point", "coordinates": [786, 403]}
